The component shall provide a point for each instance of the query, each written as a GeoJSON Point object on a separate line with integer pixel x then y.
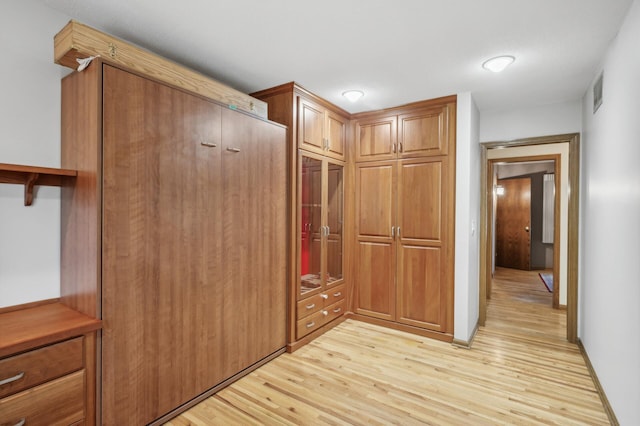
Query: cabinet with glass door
{"type": "Point", "coordinates": [321, 243]}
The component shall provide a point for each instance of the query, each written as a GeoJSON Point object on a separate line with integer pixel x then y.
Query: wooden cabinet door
{"type": "Point", "coordinates": [376, 139]}
{"type": "Point", "coordinates": [254, 240]}
{"type": "Point", "coordinates": [311, 124]}
{"type": "Point", "coordinates": [336, 134]}
{"type": "Point", "coordinates": [423, 133]}
{"type": "Point", "coordinates": [375, 248]}
{"type": "Point", "coordinates": [161, 248]}
{"type": "Point", "coordinates": [422, 289]}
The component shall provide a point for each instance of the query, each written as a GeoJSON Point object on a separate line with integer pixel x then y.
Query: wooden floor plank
{"type": "Point", "coordinates": [520, 370]}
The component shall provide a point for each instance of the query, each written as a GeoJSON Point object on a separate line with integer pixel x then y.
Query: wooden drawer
{"type": "Point", "coordinates": [334, 311]}
{"type": "Point", "coordinates": [58, 402]}
{"type": "Point", "coordinates": [41, 365]}
{"type": "Point", "coordinates": [334, 294]}
{"type": "Point", "coordinates": [310, 323]}
{"type": "Point", "coordinates": [309, 306]}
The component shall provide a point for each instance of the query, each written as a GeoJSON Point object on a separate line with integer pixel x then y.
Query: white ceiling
{"type": "Point", "coordinates": [396, 51]}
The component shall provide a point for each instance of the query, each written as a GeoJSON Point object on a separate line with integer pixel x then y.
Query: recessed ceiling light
{"type": "Point", "coordinates": [499, 63]}
{"type": "Point", "coordinates": [353, 95]}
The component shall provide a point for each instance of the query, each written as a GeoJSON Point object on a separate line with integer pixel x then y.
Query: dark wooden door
{"type": "Point", "coordinates": [513, 221]}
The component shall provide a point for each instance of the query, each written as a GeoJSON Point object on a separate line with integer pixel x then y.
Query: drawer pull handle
{"type": "Point", "coordinates": [209, 144]}
{"type": "Point", "coordinates": [324, 296]}
{"type": "Point", "coordinates": [336, 310]}
{"type": "Point", "coordinates": [325, 313]}
{"type": "Point", "coordinates": [310, 324]}
{"type": "Point", "coordinates": [233, 149]}
{"type": "Point", "coordinates": [311, 306]}
{"type": "Point", "coordinates": [338, 294]}
{"type": "Point", "coordinates": [21, 422]}
{"type": "Point", "coordinates": [12, 379]}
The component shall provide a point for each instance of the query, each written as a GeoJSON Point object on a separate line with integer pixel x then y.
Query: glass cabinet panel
{"type": "Point", "coordinates": [335, 219]}
{"type": "Point", "coordinates": [311, 225]}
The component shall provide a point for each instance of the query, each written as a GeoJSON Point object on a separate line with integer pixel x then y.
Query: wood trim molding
{"type": "Point", "coordinates": [436, 335]}
{"type": "Point", "coordinates": [77, 40]}
{"type": "Point", "coordinates": [466, 344]}
{"type": "Point", "coordinates": [573, 140]}
{"type": "Point", "coordinates": [603, 397]}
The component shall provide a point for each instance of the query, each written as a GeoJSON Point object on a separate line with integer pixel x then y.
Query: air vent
{"type": "Point", "coordinates": [597, 93]}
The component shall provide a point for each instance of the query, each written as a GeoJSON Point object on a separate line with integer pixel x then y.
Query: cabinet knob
{"type": "Point", "coordinates": [311, 306]}
{"type": "Point", "coordinates": [325, 313]}
{"type": "Point", "coordinates": [324, 296]}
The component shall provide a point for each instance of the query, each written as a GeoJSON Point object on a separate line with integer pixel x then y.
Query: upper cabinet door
{"type": "Point", "coordinates": [336, 135]}
{"type": "Point", "coordinates": [320, 130]}
{"type": "Point", "coordinates": [310, 126]}
{"type": "Point", "coordinates": [376, 139]}
{"type": "Point", "coordinates": [423, 133]}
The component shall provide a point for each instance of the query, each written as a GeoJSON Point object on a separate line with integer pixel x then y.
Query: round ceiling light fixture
{"type": "Point", "coordinates": [353, 95]}
{"type": "Point", "coordinates": [499, 63]}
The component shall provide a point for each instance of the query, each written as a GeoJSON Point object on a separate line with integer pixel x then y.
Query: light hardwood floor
{"type": "Point", "coordinates": [520, 370]}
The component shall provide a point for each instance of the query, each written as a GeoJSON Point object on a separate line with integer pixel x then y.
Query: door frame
{"type": "Point", "coordinates": [486, 231]}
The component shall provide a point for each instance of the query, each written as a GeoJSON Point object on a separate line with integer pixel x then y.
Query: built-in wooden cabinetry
{"type": "Point", "coordinates": [404, 216]}
{"type": "Point", "coordinates": [317, 167]}
{"type": "Point", "coordinates": [321, 291]}
{"type": "Point", "coordinates": [47, 366]}
{"type": "Point", "coordinates": [174, 235]}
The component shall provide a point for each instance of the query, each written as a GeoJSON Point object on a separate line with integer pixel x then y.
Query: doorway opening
{"type": "Point", "coordinates": [563, 150]}
{"type": "Point", "coordinates": [525, 216]}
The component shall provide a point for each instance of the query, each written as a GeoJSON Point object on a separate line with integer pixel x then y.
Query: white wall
{"type": "Point", "coordinates": [29, 134]}
{"type": "Point", "coordinates": [610, 225]}
{"type": "Point", "coordinates": [545, 120]}
{"type": "Point", "coordinates": [467, 257]}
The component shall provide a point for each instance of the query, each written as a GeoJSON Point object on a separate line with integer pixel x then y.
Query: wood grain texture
{"type": "Point", "coordinates": [423, 132]}
{"type": "Point", "coordinates": [41, 365]}
{"type": "Point", "coordinates": [518, 371]}
{"type": "Point", "coordinates": [376, 138]}
{"type": "Point", "coordinates": [30, 328]}
{"type": "Point", "coordinates": [513, 224]}
{"type": "Point", "coordinates": [77, 40]}
{"type": "Point", "coordinates": [80, 221]}
{"type": "Point", "coordinates": [161, 248]}
{"type": "Point", "coordinates": [59, 402]}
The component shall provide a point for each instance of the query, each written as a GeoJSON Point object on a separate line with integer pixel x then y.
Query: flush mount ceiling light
{"type": "Point", "coordinates": [353, 95]}
{"type": "Point", "coordinates": [498, 64]}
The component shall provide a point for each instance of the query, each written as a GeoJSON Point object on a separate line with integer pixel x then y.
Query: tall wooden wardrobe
{"type": "Point", "coordinates": [404, 217]}
{"type": "Point", "coordinates": [174, 234]}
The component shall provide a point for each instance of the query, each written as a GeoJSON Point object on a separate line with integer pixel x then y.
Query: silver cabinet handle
{"type": "Point", "coordinates": [311, 306]}
{"type": "Point", "coordinates": [328, 230]}
{"type": "Point", "coordinates": [209, 144]}
{"type": "Point", "coordinates": [398, 233]}
{"type": "Point", "coordinates": [393, 232]}
{"type": "Point", "coordinates": [233, 149]}
{"type": "Point", "coordinates": [18, 376]}
{"type": "Point", "coordinates": [336, 310]}
{"type": "Point", "coordinates": [393, 147]}
{"type": "Point", "coordinates": [21, 422]}
{"type": "Point", "coordinates": [324, 296]}
{"type": "Point", "coordinates": [310, 324]}
{"type": "Point", "coordinates": [338, 294]}
{"type": "Point", "coordinates": [400, 147]}
{"type": "Point", "coordinates": [325, 313]}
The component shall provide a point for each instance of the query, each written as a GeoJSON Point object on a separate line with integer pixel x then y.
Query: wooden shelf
{"type": "Point", "coordinates": [30, 328]}
{"type": "Point", "coordinates": [29, 176]}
